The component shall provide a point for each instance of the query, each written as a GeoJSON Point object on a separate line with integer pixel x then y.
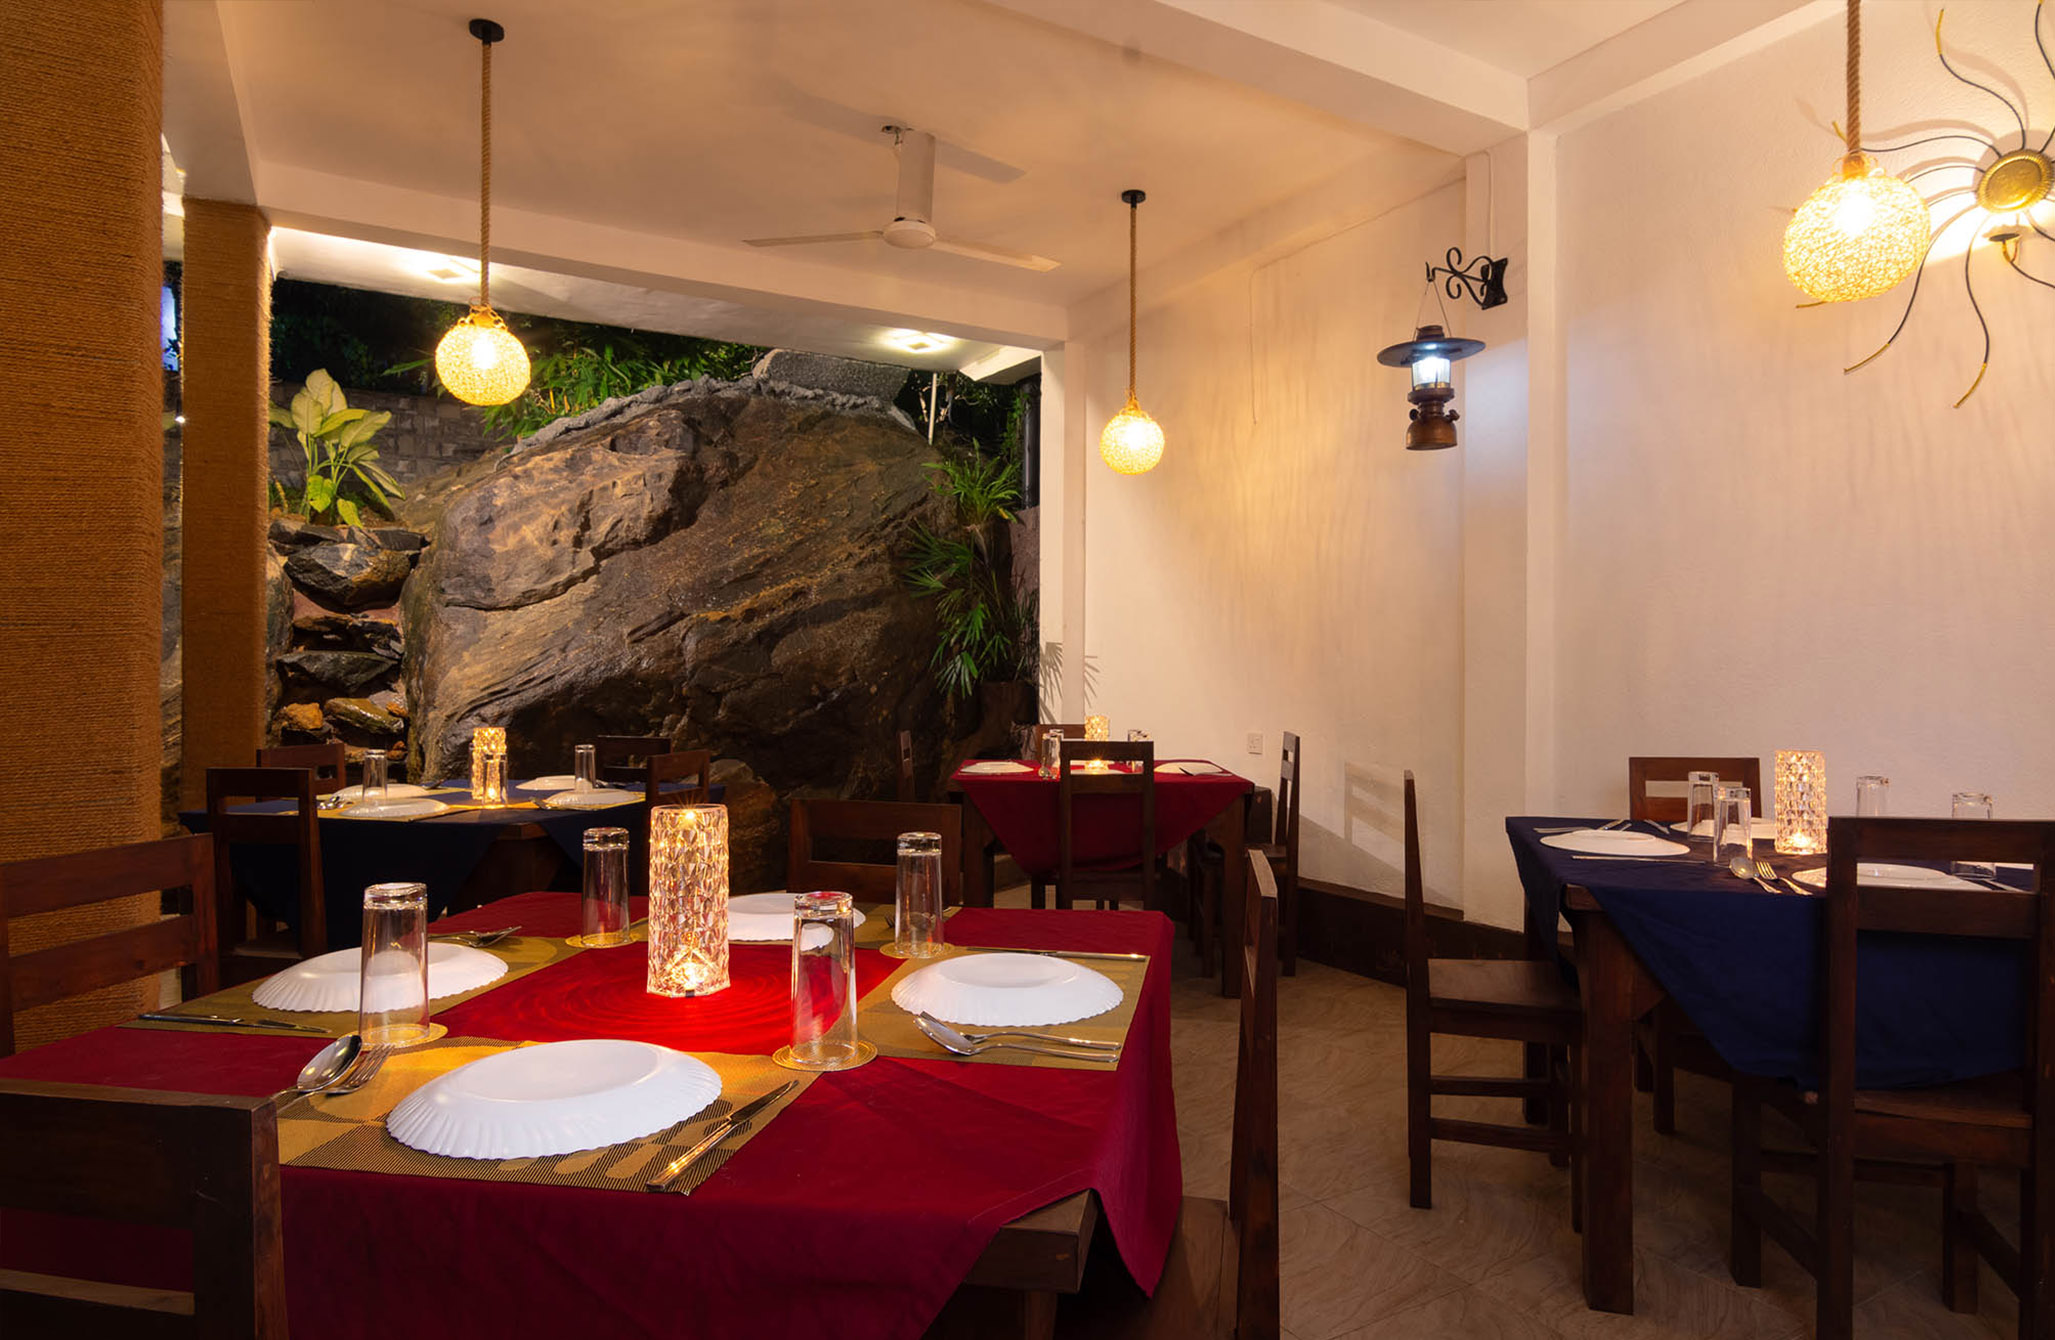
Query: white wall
{"type": "Point", "coordinates": [1289, 565]}
{"type": "Point", "coordinates": [1761, 552]}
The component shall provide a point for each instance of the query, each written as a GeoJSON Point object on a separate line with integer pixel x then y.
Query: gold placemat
{"type": "Point", "coordinates": [880, 1021]}
{"type": "Point", "coordinates": [348, 1132]}
{"type": "Point", "coordinates": [523, 954]}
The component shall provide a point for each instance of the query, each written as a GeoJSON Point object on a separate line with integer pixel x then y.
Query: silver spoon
{"type": "Point", "coordinates": [963, 1046]}
{"type": "Point", "coordinates": [1745, 868]}
{"type": "Point", "coordinates": [329, 1064]}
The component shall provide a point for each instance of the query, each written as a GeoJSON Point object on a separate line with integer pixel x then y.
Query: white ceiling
{"type": "Point", "coordinates": [1521, 37]}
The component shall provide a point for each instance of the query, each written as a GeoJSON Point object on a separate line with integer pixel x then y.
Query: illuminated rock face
{"type": "Point", "coordinates": [717, 563]}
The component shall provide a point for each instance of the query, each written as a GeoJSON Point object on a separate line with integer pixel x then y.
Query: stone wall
{"type": "Point", "coordinates": [427, 433]}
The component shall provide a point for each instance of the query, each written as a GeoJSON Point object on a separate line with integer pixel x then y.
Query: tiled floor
{"type": "Point", "coordinates": [1496, 1257]}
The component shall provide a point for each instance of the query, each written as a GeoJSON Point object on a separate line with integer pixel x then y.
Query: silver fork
{"type": "Point", "coordinates": [357, 1076]}
{"type": "Point", "coordinates": [1766, 874]}
{"type": "Point", "coordinates": [1057, 1038]}
{"type": "Point", "coordinates": [475, 939]}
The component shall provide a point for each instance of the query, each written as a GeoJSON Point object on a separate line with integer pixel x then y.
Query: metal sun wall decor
{"type": "Point", "coordinates": [2008, 193]}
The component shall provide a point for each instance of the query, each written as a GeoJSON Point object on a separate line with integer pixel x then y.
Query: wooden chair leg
{"type": "Point", "coordinates": [1419, 1114]}
{"type": "Point", "coordinates": [1038, 893]}
{"type": "Point", "coordinates": [1834, 1232]}
{"type": "Point", "coordinates": [1744, 1234]}
{"type": "Point", "coordinates": [1958, 1247]}
{"type": "Point", "coordinates": [1288, 925]}
{"type": "Point", "coordinates": [2036, 1255]}
{"type": "Point", "coordinates": [1644, 1069]}
{"type": "Point", "coordinates": [1559, 1104]}
{"type": "Point", "coordinates": [1574, 1081]}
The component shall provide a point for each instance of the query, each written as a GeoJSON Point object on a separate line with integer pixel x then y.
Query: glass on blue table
{"type": "Point", "coordinates": [586, 767]}
{"type": "Point", "coordinates": [392, 997]}
{"type": "Point", "coordinates": [1698, 804]}
{"type": "Point", "coordinates": [1972, 805]}
{"type": "Point", "coordinates": [1733, 824]}
{"type": "Point", "coordinates": [374, 787]}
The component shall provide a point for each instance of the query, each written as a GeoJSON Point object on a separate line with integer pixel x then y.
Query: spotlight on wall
{"type": "Point", "coordinates": [1432, 355]}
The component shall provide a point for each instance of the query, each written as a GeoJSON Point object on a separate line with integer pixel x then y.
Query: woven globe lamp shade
{"type": "Point", "coordinates": [480, 362]}
{"type": "Point", "coordinates": [1132, 442]}
{"type": "Point", "coordinates": [1857, 236]}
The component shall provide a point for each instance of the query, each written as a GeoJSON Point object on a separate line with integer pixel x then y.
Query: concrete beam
{"type": "Point", "coordinates": [203, 114]}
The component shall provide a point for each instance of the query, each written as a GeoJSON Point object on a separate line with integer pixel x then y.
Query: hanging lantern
{"type": "Point", "coordinates": [1864, 231]}
{"type": "Point", "coordinates": [1131, 442]}
{"type": "Point", "coordinates": [1432, 355]}
{"type": "Point", "coordinates": [479, 360]}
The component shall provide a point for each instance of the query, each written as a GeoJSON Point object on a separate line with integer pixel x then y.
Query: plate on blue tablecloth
{"type": "Point", "coordinates": [1614, 842]}
{"type": "Point", "coordinates": [1873, 876]}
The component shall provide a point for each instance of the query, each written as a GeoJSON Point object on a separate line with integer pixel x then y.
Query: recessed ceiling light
{"type": "Point", "coordinates": [449, 269]}
{"type": "Point", "coordinates": [918, 341]}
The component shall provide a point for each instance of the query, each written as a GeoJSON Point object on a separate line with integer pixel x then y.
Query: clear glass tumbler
{"type": "Point", "coordinates": [1972, 805]}
{"type": "Point", "coordinates": [824, 1033]}
{"type": "Point", "coordinates": [1872, 797]}
{"type": "Point", "coordinates": [392, 1000]}
{"type": "Point", "coordinates": [374, 787]}
{"type": "Point", "coordinates": [1733, 824]}
{"type": "Point", "coordinates": [1052, 752]}
{"type": "Point", "coordinates": [603, 908]}
{"type": "Point", "coordinates": [586, 765]}
{"type": "Point", "coordinates": [1699, 789]}
{"type": "Point", "coordinates": [492, 789]}
{"type": "Point", "coordinates": [1137, 737]}
{"type": "Point", "coordinates": [917, 907]}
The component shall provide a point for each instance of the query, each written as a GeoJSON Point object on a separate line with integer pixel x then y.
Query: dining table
{"type": "Point", "coordinates": [470, 855]}
{"type": "Point", "coordinates": [1743, 962]}
{"type": "Point", "coordinates": [1010, 805]}
{"type": "Point", "coordinates": [859, 1210]}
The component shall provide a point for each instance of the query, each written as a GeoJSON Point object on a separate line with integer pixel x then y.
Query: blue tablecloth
{"type": "Point", "coordinates": [1745, 966]}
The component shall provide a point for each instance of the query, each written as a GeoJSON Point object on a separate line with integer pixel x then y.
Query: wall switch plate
{"type": "Point", "coordinates": [1255, 742]}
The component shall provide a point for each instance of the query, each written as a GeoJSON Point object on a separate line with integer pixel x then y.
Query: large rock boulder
{"type": "Point", "coordinates": [348, 575]}
{"type": "Point", "coordinates": [717, 562]}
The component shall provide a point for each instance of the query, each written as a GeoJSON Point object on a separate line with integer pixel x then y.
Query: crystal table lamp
{"type": "Point", "coordinates": [688, 900]}
{"type": "Point", "coordinates": [1097, 729]}
{"type": "Point", "coordinates": [1801, 802]}
{"type": "Point", "coordinates": [489, 764]}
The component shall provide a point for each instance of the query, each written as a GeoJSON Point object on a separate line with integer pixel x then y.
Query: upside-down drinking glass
{"type": "Point", "coordinates": [1052, 752]}
{"type": "Point", "coordinates": [586, 765]}
{"type": "Point", "coordinates": [917, 908]}
{"type": "Point", "coordinates": [603, 907]}
{"type": "Point", "coordinates": [374, 787]}
{"type": "Point", "coordinates": [1699, 789]}
{"type": "Point", "coordinates": [1972, 805]}
{"type": "Point", "coordinates": [1733, 824]}
{"type": "Point", "coordinates": [824, 1033]}
{"type": "Point", "coordinates": [392, 999]}
{"type": "Point", "coordinates": [1872, 797]}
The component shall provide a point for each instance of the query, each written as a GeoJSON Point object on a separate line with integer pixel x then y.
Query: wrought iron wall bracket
{"type": "Point", "coordinates": [1486, 286]}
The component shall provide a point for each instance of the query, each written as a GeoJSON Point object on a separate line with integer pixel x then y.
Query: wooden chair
{"type": "Point", "coordinates": [53, 883]}
{"type": "Point", "coordinates": [1283, 852]}
{"type": "Point", "coordinates": [1520, 1000]}
{"type": "Point", "coordinates": [906, 787]}
{"type": "Point", "coordinates": [328, 762]}
{"type": "Point", "coordinates": [624, 758]}
{"type": "Point", "coordinates": [1893, 1133]}
{"type": "Point", "coordinates": [659, 769]}
{"type": "Point", "coordinates": [1072, 730]}
{"type": "Point", "coordinates": [1072, 782]}
{"type": "Point", "coordinates": [1220, 1279]}
{"type": "Point", "coordinates": [243, 956]}
{"type": "Point", "coordinates": [201, 1162]}
{"type": "Point", "coordinates": [1667, 1041]}
{"type": "Point", "coordinates": [840, 824]}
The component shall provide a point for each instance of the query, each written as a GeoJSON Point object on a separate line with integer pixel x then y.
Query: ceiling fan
{"type": "Point", "coordinates": [912, 227]}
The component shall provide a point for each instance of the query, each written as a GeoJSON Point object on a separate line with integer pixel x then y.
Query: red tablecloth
{"type": "Point", "coordinates": [855, 1214]}
{"type": "Point", "coordinates": [1021, 808]}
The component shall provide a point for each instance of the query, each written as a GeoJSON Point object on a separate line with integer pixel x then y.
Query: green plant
{"type": "Point", "coordinates": [986, 630]}
{"type": "Point", "coordinates": [343, 477]}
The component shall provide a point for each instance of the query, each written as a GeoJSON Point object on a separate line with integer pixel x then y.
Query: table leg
{"type": "Point", "coordinates": [1231, 830]}
{"type": "Point", "coordinates": [1607, 970]}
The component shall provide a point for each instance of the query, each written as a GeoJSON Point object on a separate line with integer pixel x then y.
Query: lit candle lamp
{"type": "Point", "coordinates": [489, 764]}
{"type": "Point", "coordinates": [1801, 802]}
{"type": "Point", "coordinates": [1097, 729]}
{"type": "Point", "coordinates": [688, 900]}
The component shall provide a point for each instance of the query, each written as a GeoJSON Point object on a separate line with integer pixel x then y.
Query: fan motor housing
{"type": "Point", "coordinates": [912, 234]}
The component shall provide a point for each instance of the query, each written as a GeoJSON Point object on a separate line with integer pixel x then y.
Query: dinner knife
{"type": "Point", "coordinates": [224, 1021]}
{"type": "Point", "coordinates": [741, 1116]}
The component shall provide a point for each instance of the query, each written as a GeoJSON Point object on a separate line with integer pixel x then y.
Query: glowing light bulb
{"type": "Point", "coordinates": [1860, 234]}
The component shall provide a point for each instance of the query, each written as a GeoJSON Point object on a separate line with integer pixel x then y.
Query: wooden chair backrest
{"type": "Point", "coordinates": [227, 787]}
{"type": "Point", "coordinates": [817, 822]}
{"type": "Point", "coordinates": [1287, 821]}
{"type": "Point", "coordinates": [202, 1162]}
{"type": "Point", "coordinates": [53, 883]}
{"type": "Point", "coordinates": [906, 788]}
{"type": "Point", "coordinates": [624, 758]}
{"type": "Point", "coordinates": [328, 762]}
{"type": "Point", "coordinates": [1984, 913]}
{"type": "Point", "coordinates": [1416, 906]}
{"type": "Point", "coordinates": [1068, 730]}
{"type": "Point", "coordinates": [695, 764]}
{"type": "Point", "coordinates": [1670, 809]}
{"type": "Point", "coordinates": [1252, 1179]}
{"type": "Point", "coordinates": [1072, 782]}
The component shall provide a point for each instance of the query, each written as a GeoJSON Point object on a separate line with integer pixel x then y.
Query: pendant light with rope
{"type": "Point", "coordinates": [1131, 442]}
{"type": "Point", "coordinates": [479, 360]}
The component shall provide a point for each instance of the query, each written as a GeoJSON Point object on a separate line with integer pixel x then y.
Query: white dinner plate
{"type": "Point", "coordinates": [349, 795]}
{"type": "Point", "coordinates": [1615, 842]}
{"type": "Point", "coordinates": [1004, 990]}
{"type": "Point", "coordinates": [1872, 875]}
{"type": "Point", "coordinates": [415, 807]}
{"type": "Point", "coordinates": [1758, 828]}
{"type": "Point", "coordinates": [329, 981]}
{"type": "Point", "coordinates": [556, 781]}
{"type": "Point", "coordinates": [764, 918]}
{"type": "Point", "coordinates": [995, 766]}
{"type": "Point", "coordinates": [556, 1098]}
{"type": "Point", "coordinates": [597, 799]}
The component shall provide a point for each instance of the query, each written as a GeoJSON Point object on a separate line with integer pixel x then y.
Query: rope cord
{"type": "Point", "coordinates": [1854, 77]}
{"type": "Point", "coordinates": [485, 182]}
{"type": "Point", "coordinates": [1133, 213]}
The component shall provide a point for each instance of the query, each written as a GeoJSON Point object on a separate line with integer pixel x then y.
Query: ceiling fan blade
{"type": "Point", "coordinates": [842, 119]}
{"type": "Point", "coordinates": [811, 240]}
{"type": "Point", "coordinates": [915, 198]}
{"type": "Point", "coordinates": [997, 255]}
